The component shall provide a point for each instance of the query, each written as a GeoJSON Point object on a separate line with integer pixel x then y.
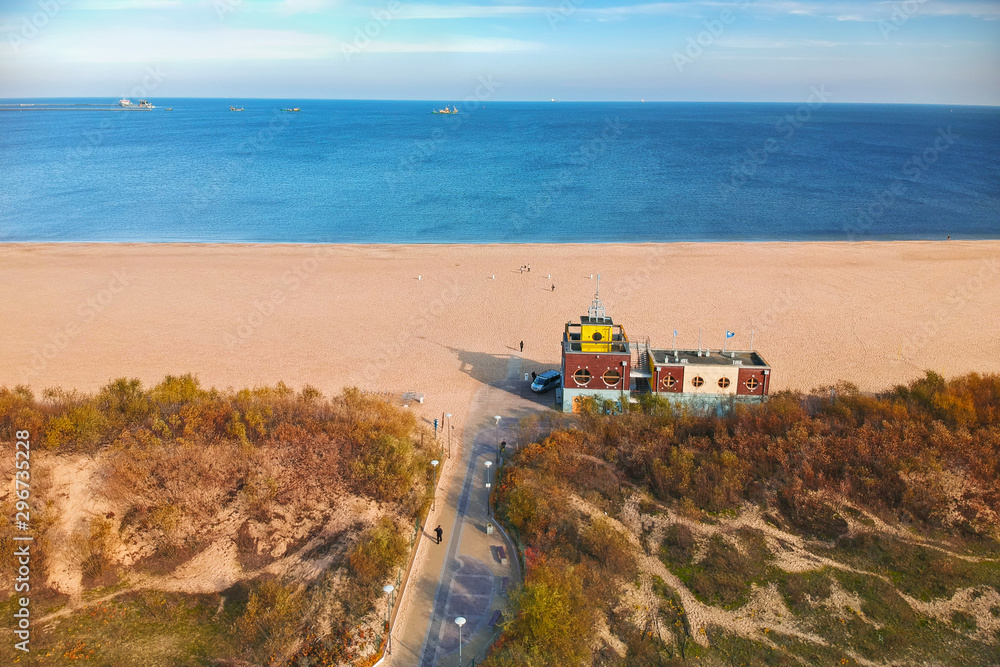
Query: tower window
{"type": "Point", "coordinates": [597, 335]}
{"type": "Point", "coordinates": [669, 382]}
{"type": "Point", "coordinates": [723, 383]}
{"type": "Point", "coordinates": [582, 376]}
{"type": "Point", "coordinates": [697, 381]}
{"type": "Point", "coordinates": [611, 377]}
{"type": "Point", "coordinates": [752, 384]}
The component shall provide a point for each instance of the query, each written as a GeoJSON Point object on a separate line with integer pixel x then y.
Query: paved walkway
{"type": "Point", "coordinates": [463, 575]}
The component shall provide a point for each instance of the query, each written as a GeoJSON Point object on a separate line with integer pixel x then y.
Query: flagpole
{"type": "Point", "coordinates": [699, 342]}
{"type": "Point", "coordinates": [675, 342]}
{"type": "Point", "coordinates": [751, 340]}
{"type": "Point", "coordinates": [725, 341]}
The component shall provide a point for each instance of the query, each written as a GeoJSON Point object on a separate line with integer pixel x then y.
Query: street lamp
{"type": "Point", "coordinates": [450, 429]}
{"type": "Point", "coordinates": [460, 621]}
{"type": "Point", "coordinates": [488, 464]}
{"type": "Point", "coordinates": [434, 488]}
{"type": "Point", "coordinates": [388, 588]}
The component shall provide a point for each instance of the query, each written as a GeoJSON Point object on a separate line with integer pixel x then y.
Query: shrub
{"type": "Point", "coordinates": [379, 550]}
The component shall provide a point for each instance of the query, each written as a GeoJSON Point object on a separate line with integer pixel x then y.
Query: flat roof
{"type": "Point", "coordinates": [748, 358]}
{"type": "Point", "coordinates": [587, 319]}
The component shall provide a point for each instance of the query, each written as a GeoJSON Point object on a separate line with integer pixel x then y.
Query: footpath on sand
{"type": "Point", "coordinates": [463, 576]}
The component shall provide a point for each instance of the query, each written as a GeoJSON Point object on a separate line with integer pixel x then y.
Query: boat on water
{"type": "Point", "coordinates": [232, 108]}
{"type": "Point", "coordinates": [446, 110]}
{"type": "Point", "coordinates": [295, 109]}
{"type": "Point", "coordinates": [126, 103]}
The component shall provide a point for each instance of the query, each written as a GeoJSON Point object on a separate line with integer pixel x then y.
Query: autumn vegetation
{"type": "Point", "coordinates": [184, 468]}
{"type": "Point", "coordinates": [873, 519]}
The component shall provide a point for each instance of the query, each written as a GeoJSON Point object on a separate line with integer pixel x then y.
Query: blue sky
{"type": "Point", "coordinates": [930, 51]}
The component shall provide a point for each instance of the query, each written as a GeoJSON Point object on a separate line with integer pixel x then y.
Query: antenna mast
{"type": "Point", "coordinates": [597, 307]}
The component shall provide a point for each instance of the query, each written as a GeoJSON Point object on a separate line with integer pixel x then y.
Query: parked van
{"type": "Point", "coordinates": [545, 381]}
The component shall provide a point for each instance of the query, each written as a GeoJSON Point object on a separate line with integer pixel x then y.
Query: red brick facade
{"type": "Point", "coordinates": [662, 383]}
{"type": "Point", "coordinates": [597, 365]}
{"type": "Point", "coordinates": [759, 386]}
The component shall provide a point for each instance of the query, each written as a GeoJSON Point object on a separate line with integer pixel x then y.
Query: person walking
{"type": "Point", "coordinates": [439, 533]}
{"type": "Point", "coordinates": [522, 346]}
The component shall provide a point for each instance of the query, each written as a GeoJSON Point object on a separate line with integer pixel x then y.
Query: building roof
{"type": "Point", "coordinates": [744, 358]}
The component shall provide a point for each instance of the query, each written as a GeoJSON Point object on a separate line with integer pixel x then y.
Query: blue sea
{"type": "Point", "coordinates": [393, 172]}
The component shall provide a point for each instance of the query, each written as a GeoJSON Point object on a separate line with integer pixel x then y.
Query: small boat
{"type": "Point", "coordinates": [170, 109]}
{"type": "Point", "coordinates": [143, 104]}
{"type": "Point", "coordinates": [295, 109]}
{"type": "Point", "coordinates": [446, 110]}
{"type": "Point", "coordinates": [232, 108]}
{"type": "Point", "coordinates": [124, 102]}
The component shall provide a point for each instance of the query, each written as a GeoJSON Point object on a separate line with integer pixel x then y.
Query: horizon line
{"type": "Point", "coordinates": [520, 101]}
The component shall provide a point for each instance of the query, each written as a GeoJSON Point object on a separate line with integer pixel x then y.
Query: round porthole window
{"type": "Point", "coordinates": [582, 376]}
{"type": "Point", "coordinates": [697, 381]}
{"type": "Point", "coordinates": [752, 384]}
{"type": "Point", "coordinates": [723, 383]}
{"type": "Point", "coordinates": [611, 377]}
{"type": "Point", "coordinates": [597, 335]}
{"type": "Point", "coordinates": [669, 382]}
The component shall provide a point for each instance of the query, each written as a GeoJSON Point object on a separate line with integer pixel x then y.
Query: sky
{"type": "Point", "coordinates": [917, 51]}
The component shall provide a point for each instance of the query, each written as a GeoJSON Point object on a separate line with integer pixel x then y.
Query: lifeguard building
{"type": "Point", "coordinates": [599, 360]}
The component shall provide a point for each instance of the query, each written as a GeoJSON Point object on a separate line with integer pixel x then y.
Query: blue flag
{"type": "Point", "coordinates": [675, 332]}
{"type": "Point", "coordinates": [730, 334]}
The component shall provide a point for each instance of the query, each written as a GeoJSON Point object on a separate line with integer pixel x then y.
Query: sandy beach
{"type": "Point", "coordinates": [443, 319]}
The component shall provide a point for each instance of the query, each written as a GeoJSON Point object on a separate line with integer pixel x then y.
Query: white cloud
{"type": "Point", "coordinates": [111, 5]}
{"type": "Point", "coordinates": [162, 45]}
{"type": "Point", "coordinates": [840, 11]}
{"type": "Point", "coordinates": [456, 45]}
{"type": "Point", "coordinates": [231, 44]}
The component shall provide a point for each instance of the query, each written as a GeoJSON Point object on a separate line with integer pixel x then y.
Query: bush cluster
{"type": "Point", "coordinates": [927, 454]}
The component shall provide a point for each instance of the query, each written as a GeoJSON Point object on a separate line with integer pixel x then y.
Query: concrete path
{"type": "Point", "coordinates": [463, 575]}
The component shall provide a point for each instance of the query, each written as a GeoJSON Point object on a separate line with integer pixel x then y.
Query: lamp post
{"type": "Point", "coordinates": [450, 429]}
{"type": "Point", "coordinates": [460, 621]}
{"type": "Point", "coordinates": [488, 480]}
{"type": "Point", "coordinates": [388, 588]}
{"type": "Point", "coordinates": [434, 488]}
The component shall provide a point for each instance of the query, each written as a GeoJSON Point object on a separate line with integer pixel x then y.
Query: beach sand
{"type": "Point", "coordinates": [875, 314]}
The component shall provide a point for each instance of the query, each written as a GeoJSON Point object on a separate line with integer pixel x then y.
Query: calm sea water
{"type": "Point", "coordinates": [369, 171]}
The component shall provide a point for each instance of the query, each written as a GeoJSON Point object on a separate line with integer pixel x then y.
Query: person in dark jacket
{"type": "Point", "coordinates": [439, 533]}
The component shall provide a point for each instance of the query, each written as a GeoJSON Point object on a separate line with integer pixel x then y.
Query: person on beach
{"type": "Point", "coordinates": [439, 533]}
{"type": "Point", "coordinates": [522, 346]}
{"type": "Point", "coordinates": [553, 287]}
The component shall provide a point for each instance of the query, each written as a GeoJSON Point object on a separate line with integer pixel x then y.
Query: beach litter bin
{"type": "Point", "coordinates": [489, 529]}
